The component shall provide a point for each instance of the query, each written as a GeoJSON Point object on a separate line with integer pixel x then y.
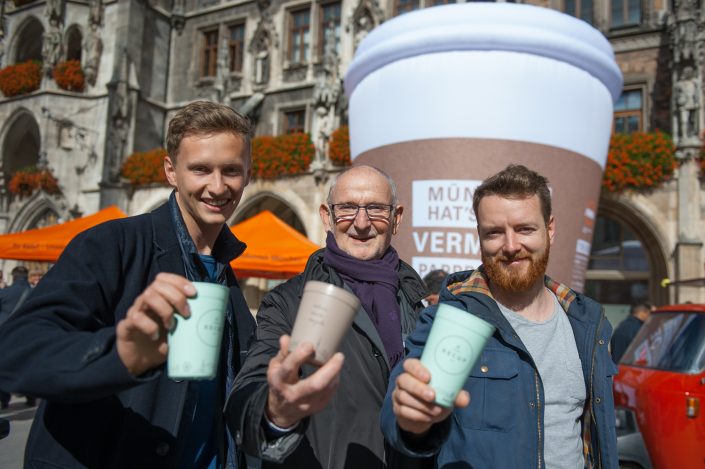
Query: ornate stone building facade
{"type": "Point", "coordinates": [282, 63]}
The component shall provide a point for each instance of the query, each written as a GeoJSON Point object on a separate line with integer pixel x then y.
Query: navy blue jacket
{"type": "Point", "coordinates": [623, 336]}
{"type": "Point", "coordinates": [60, 346]}
{"type": "Point", "coordinates": [503, 425]}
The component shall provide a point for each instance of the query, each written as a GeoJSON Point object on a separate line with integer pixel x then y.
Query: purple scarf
{"type": "Point", "coordinates": [375, 283]}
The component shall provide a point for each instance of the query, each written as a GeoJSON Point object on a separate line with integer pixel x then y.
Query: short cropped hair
{"type": "Point", "coordinates": [207, 118]}
{"type": "Point", "coordinates": [639, 307]}
{"type": "Point", "coordinates": [19, 272]}
{"type": "Point", "coordinates": [515, 182]}
{"type": "Point", "coordinates": [434, 280]}
{"type": "Point", "coordinates": [390, 181]}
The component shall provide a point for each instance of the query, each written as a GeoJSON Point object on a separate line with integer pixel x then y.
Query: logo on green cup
{"type": "Point", "coordinates": [453, 354]}
{"type": "Point", "coordinates": [210, 327]}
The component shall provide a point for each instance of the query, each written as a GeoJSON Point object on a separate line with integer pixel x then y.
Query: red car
{"type": "Point", "coordinates": [659, 392]}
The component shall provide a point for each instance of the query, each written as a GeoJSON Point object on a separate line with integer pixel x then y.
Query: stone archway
{"type": "Point", "coordinates": [254, 289]}
{"type": "Point", "coordinates": [275, 205]}
{"type": "Point", "coordinates": [21, 145]}
{"type": "Point", "coordinates": [627, 262]}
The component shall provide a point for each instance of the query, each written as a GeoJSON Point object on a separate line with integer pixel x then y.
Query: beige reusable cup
{"type": "Point", "coordinates": [325, 315]}
{"type": "Point", "coordinates": [445, 97]}
{"type": "Point", "coordinates": [194, 342]}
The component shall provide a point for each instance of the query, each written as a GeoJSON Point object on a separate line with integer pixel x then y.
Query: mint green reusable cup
{"type": "Point", "coordinates": [194, 342]}
{"type": "Point", "coordinates": [455, 343]}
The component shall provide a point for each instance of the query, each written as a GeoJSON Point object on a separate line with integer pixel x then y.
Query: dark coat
{"type": "Point", "coordinates": [9, 296]}
{"type": "Point", "coordinates": [60, 346]}
{"type": "Point", "coordinates": [503, 425]}
{"type": "Point", "coordinates": [345, 434]}
{"type": "Point", "coordinates": [623, 336]}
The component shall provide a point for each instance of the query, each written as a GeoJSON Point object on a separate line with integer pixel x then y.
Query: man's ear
{"type": "Point", "coordinates": [396, 220]}
{"type": "Point", "coordinates": [324, 212]}
{"type": "Point", "coordinates": [551, 228]}
{"type": "Point", "coordinates": [170, 171]}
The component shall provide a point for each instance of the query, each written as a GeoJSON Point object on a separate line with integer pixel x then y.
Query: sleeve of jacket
{"type": "Point", "coordinates": [60, 344]}
{"type": "Point", "coordinates": [244, 409]}
{"type": "Point", "coordinates": [432, 442]}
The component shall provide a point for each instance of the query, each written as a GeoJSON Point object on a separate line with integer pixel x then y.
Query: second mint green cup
{"type": "Point", "coordinates": [454, 344]}
{"type": "Point", "coordinates": [194, 343]}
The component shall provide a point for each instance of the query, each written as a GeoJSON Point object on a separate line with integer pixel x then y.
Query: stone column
{"type": "Point", "coordinates": [687, 117]}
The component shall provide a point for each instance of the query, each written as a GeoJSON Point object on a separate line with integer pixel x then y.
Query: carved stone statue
{"type": "Point", "coordinates": [95, 12]}
{"type": "Point", "coordinates": [92, 50]}
{"type": "Point", "coordinates": [366, 15]}
{"type": "Point", "coordinates": [120, 121]}
{"type": "Point", "coordinates": [263, 40]}
{"type": "Point", "coordinates": [222, 74]}
{"type": "Point", "coordinates": [683, 26]}
{"type": "Point", "coordinates": [261, 72]}
{"type": "Point", "coordinates": [51, 47]}
{"type": "Point", "coordinates": [54, 10]}
{"type": "Point", "coordinates": [326, 94]}
{"type": "Point", "coordinates": [363, 25]}
{"type": "Point", "coordinates": [686, 95]}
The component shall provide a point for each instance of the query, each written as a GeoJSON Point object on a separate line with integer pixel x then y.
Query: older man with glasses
{"type": "Point", "coordinates": [295, 415]}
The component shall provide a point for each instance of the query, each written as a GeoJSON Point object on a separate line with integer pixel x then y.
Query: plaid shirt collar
{"type": "Point", "coordinates": [478, 282]}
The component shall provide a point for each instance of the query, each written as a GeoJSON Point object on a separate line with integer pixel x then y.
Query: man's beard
{"type": "Point", "coordinates": [515, 280]}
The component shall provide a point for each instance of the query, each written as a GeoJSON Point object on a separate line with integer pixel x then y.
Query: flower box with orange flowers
{"type": "Point", "coordinates": [640, 161]}
{"type": "Point", "coordinates": [281, 155]}
{"type": "Point", "coordinates": [27, 180]}
{"type": "Point", "coordinates": [339, 148]}
{"type": "Point", "coordinates": [145, 167]}
{"type": "Point", "coordinates": [20, 78]}
{"type": "Point", "coordinates": [68, 75]}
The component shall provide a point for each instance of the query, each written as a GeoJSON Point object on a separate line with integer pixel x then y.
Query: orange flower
{"type": "Point", "coordinates": [69, 75]}
{"type": "Point", "coordinates": [27, 180]}
{"type": "Point", "coordinates": [20, 78]}
{"type": "Point", "coordinates": [339, 149]}
{"type": "Point", "coordinates": [639, 161]}
{"type": "Point", "coordinates": [281, 155]}
{"type": "Point", "coordinates": [143, 168]}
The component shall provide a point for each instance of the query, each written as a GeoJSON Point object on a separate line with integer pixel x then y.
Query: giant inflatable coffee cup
{"type": "Point", "coordinates": [445, 97]}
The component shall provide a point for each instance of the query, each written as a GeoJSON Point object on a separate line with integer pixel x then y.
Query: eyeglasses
{"type": "Point", "coordinates": [349, 211]}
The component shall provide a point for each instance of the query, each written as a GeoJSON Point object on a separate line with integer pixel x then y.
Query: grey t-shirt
{"type": "Point", "coordinates": [552, 346]}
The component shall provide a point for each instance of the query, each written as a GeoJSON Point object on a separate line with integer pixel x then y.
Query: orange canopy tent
{"type": "Point", "coordinates": [46, 244]}
{"type": "Point", "coordinates": [274, 249]}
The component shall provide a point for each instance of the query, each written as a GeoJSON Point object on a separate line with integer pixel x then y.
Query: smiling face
{"type": "Point", "coordinates": [209, 175]}
{"type": "Point", "coordinates": [361, 237]}
{"type": "Point", "coordinates": [515, 241]}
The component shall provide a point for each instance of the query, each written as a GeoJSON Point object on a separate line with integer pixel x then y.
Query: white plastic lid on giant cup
{"type": "Point", "coordinates": [484, 70]}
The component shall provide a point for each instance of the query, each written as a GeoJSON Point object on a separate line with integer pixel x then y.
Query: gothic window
{"type": "Point", "coordinates": [209, 53]}
{"type": "Point", "coordinates": [405, 6]}
{"type": "Point", "coordinates": [628, 112]}
{"type": "Point", "coordinates": [626, 13]}
{"type": "Point", "coordinates": [21, 146]}
{"type": "Point", "coordinates": [329, 23]}
{"type": "Point", "coordinates": [299, 35]}
{"type": "Point", "coordinates": [294, 121]}
{"type": "Point", "coordinates": [29, 42]}
{"type": "Point", "coordinates": [236, 45]}
{"type": "Point", "coordinates": [579, 8]}
{"type": "Point", "coordinates": [74, 38]}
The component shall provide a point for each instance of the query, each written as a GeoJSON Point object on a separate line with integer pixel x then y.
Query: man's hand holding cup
{"type": "Point", "coordinates": [413, 400]}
